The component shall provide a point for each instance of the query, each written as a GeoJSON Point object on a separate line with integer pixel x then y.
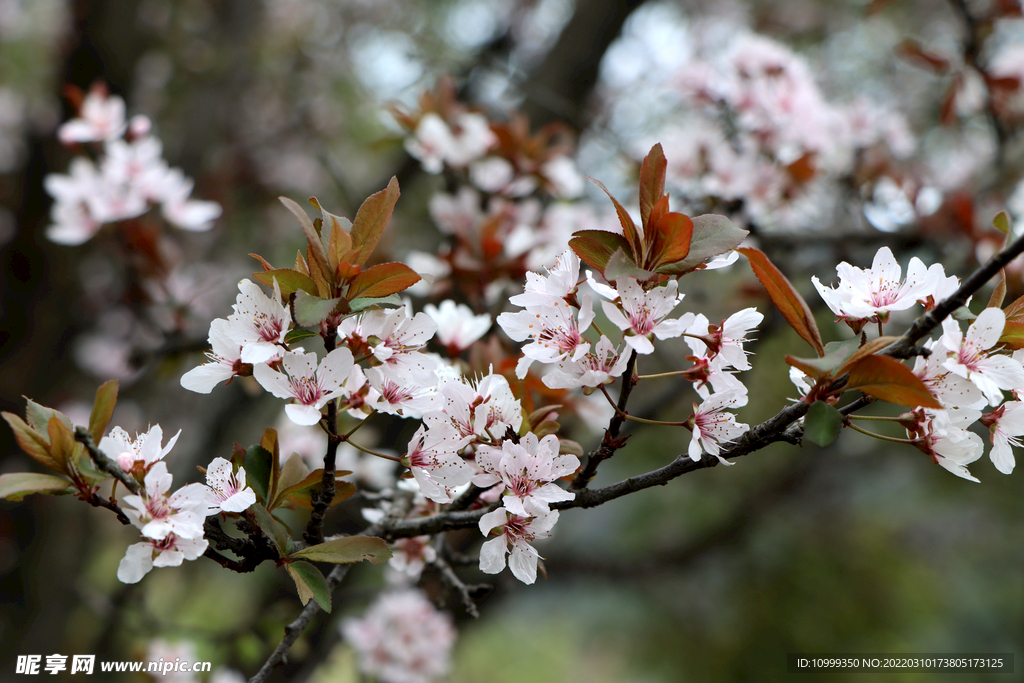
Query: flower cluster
{"type": "Point", "coordinates": [965, 372]}
{"type": "Point", "coordinates": [171, 524]}
{"type": "Point", "coordinates": [130, 177]}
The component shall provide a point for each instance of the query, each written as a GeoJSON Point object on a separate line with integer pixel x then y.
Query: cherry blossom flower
{"type": "Point", "coordinates": [159, 515]}
{"type": "Point", "coordinates": [968, 357]}
{"type": "Point", "coordinates": [306, 382]}
{"type": "Point", "coordinates": [396, 395]}
{"type": "Point", "coordinates": [645, 313]}
{"type": "Point", "coordinates": [259, 323]}
{"type": "Point", "coordinates": [1006, 424]}
{"type": "Point", "coordinates": [486, 408]}
{"type": "Point", "coordinates": [726, 339]}
{"type": "Point", "coordinates": [434, 460]}
{"type": "Point", "coordinates": [527, 470]}
{"type": "Point", "coordinates": [136, 456]}
{"type": "Point", "coordinates": [556, 331]}
{"type": "Point", "coordinates": [402, 638]}
{"type": "Point", "coordinates": [560, 280]}
{"type": "Point", "coordinates": [872, 293]}
{"type": "Point", "coordinates": [951, 390]}
{"type": "Point", "coordinates": [430, 142]}
{"type": "Point", "coordinates": [943, 435]}
{"type": "Point", "coordinates": [712, 426]}
{"type": "Point", "coordinates": [513, 535]}
{"type": "Point", "coordinates": [410, 555]}
{"type": "Point", "coordinates": [599, 366]}
{"type": "Point", "coordinates": [226, 488]}
{"type": "Point", "coordinates": [395, 340]}
{"type": "Point", "coordinates": [457, 326]}
{"type": "Point", "coordinates": [169, 551]}
{"type": "Point", "coordinates": [101, 117]}
{"type": "Point", "coordinates": [225, 360]}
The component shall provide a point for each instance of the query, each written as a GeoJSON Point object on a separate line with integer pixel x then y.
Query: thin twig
{"type": "Point", "coordinates": [104, 463]}
{"type": "Point", "coordinates": [611, 441]}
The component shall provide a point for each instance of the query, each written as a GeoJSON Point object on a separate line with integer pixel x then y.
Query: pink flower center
{"type": "Point", "coordinates": [268, 328]}
{"type": "Point", "coordinates": [307, 390]}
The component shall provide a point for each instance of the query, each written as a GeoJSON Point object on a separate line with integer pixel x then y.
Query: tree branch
{"type": "Point", "coordinates": [104, 463]}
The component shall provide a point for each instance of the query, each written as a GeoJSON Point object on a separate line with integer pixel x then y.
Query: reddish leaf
{"type": "Point", "coordinates": [890, 380]}
{"type": "Point", "coordinates": [914, 52]}
{"type": "Point", "coordinates": [62, 444]}
{"type": "Point", "coordinates": [595, 247]}
{"type": "Point", "coordinates": [32, 442]}
{"type": "Point", "coordinates": [635, 246]}
{"type": "Point", "coordinates": [263, 262]}
{"type": "Point", "coordinates": [671, 240]}
{"type": "Point", "coordinates": [1015, 311]}
{"type": "Point", "coordinates": [713, 235]}
{"type": "Point", "coordinates": [789, 302]}
{"type": "Point", "coordinates": [382, 280]}
{"type": "Point", "coordinates": [999, 293]}
{"type": "Point", "coordinates": [338, 239]}
{"type": "Point", "coordinates": [871, 347]}
{"type": "Point", "coordinates": [652, 182]}
{"type": "Point", "coordinates": [316, 247]}
{"type": "Point", "coordinates": [102, 409]}
{"type": "Point", "coordinates": [371, 219]}
{"type": "Point", "coordinates": [288, 280]}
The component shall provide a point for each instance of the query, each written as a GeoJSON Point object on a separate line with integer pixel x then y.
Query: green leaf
{"type": "Point", "coordinates": [1002, 222]}
{"type": "Point", "coordinates": [17, 485]}
{"type": "Point", "coordinates": [393, 301]}
{"type": "Point", "coordinates": [298, 335]}
{"type": "Point", "coordinates": [371, 219]}
{"type": "Point", "coordinates": [39, 416]}
{"type": "Point", "coordinates": [890, 380]}
{"type": "Point", "coordinates": [620, 266]}
{"type": "Point", "coordinates": [785, 297]}
{"type": "Point", "coordinates": [298, 495]}
{"type": "Point", "coordinates": [1012, 336]}
{"type": "Point", "coordinates": [288, 280]}
{"type": "Point", "coordinates": [822, 423]}
{"type": "Point", "coordinates": [271, 527]}
{"type": "Point", "coordinates": [102, 409]}
{"type": "Point", "coordinates": [382, 280]}
{"type": "Point", "coordinates": [595, 247]}
{"type": "Point", "coordinates": [836, 355]}
{"type": "Point", "coordinates": [713, 235]}
{"type": "Point", "coordinates": [315, 245]}
{"type": "Point", "coordinates": [258, 462]}
{"type": "Point", "coordinates": [310, 583]}
{"type": "Point", "coordinates": [311, 310]}
{"type": "Point", "coordinates": [347, 550]}
{"type": "Point", "coordinates": [652, 182]}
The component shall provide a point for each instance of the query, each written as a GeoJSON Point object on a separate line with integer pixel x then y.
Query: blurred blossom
{"type": "Point", "coordinates": [402, 639]}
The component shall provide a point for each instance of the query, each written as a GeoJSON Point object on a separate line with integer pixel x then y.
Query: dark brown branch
{"type": "Point", "coordinates": [104, 463]}
{"type": "Point", "coordinates": [98, 501]}
{"type": "Point", "coordinates": [323, 498]}
{"type": "Point", "coordinates": [611, 441]}
{"type": "Point", "coordinates": [294, 629]}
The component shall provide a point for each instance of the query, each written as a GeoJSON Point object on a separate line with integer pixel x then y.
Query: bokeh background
{"type": "Point", "coordinates": [854, 548]}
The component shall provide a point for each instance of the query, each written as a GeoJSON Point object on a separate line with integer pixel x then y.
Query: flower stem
{"type": "Point", "coordinates": [874, 418]}
{"type": "Point", "coordinates": [674, 373]}
{"type": "Point", "coordinates": [893, 439]}
{"type": "Point", "coordinates": [392, 458]}
{"type": "Point", "coordinates": [627, 416]}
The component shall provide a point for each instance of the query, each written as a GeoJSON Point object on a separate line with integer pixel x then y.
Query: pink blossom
{"type": "Point", "coordinates": [169, 551]}
{"type": "Point", "coordinates": [512, 536]}
{"type": "Point", "coordinates": [1006, 424]}
{"type": "Point", "coordinates": [136, 456]}
{"type": "Point", "coordinates": [225, 358]}
{"type": "Point", "coordinates": [159, 515]}
{"type": "Point", "coordinates": [312, 386]}
{"type": "Point", "coordinates": [101, 117]}
{"type": "Point", "coordinates": [457, 326]}
{"type": "Point", "coordinates": [713, 426]}
{"type": "Point", "coordinates": [402, 638]}
{"type": "Point", "coordinates": [644, 313]}
{"type": "Point", "coordinates": [433, 457]}
{"type": "Point", "coordinates": [599, 366]}
{"type": "Point", "coordinates": [527, 471]}
{"type": "Point", "coordinates": [226, 488]}
{"type": "Point", "coordinates": [259, 323]}
{"type": "Point", "coordinates": [969, 359]}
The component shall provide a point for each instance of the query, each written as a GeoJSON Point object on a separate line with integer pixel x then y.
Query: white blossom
{"type": "Point", "coordinates": [312, 386]}
{"type": "Point", "coordinates": [169, 551]}
{"type": "Point", "coordinates": [512, 536]}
